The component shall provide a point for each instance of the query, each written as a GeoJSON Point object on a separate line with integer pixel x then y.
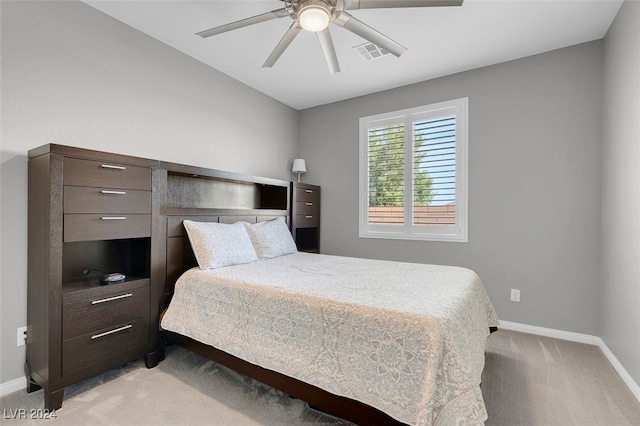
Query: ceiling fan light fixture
{"type": "Point", "coordinates": [314, 16]}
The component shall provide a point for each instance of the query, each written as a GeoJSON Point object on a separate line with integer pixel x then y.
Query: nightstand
{"type": "Point", "coordinates": [305, 216]}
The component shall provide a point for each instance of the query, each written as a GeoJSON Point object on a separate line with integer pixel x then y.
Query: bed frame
{"type": "Point", "coordinates": [210, 196]}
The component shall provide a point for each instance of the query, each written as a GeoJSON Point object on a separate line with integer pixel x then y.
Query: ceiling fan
{"type": "Point", "coordinates": [316, 15]}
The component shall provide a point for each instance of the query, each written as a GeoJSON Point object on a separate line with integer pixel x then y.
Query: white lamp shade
{"type": "Point", "coordinates": [299, 166]}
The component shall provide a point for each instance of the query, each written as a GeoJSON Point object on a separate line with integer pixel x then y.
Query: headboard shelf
{"type": "Point", "coordinates": [177, 211]}
{"type": "Point", "coordinates": [204, 173]}
{"type": "Point", "coordinates": [208, 192]}
{"type": "Point", "coordinates": [208, 195]}
{"type": "Point", "coordinates": [67, 235]}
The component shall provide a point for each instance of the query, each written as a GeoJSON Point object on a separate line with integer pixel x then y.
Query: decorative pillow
{"type": "Point", "coordinates": [271, 239]}
{"type": "Point", "coordinates": [218, 244]}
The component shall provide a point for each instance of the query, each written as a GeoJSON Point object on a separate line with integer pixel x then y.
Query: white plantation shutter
{"type": "Point", "coordinates": [434, 153]}
{"type": "Point", "coordinates": [386, 174]}
{"type": "Point", "coordinates": [413, 173]}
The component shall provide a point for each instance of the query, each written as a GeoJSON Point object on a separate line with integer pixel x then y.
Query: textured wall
{"type": "Point", "coordinates": [534, 182]}
{"type": "Point", "coordinates": [74, 76]}
{"type": "Point", "coordinates": [620, 291]}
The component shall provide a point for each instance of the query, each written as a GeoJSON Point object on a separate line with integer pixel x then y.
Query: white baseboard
{"type": "Point", "coordinates": [580, 338]}
{"type": "Point", "coordinates": [626, 377]}
{"type": "Point", "coordinates": [550, 332]}
{"type": "Point", "coordinates": [13, 386]}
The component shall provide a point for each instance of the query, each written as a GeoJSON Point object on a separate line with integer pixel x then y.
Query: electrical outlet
{"type": "Point", "coordinates": [22, 336]}
{"type": "Point", "coordinates": [515, 295]}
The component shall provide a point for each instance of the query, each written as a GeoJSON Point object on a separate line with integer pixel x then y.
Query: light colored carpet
{"type": "Point", "coordinates": [535, 380]}
{"type": "Point", "coordinates": [528, 380]}
{"type": "Point", "coordinates": [184, 389]}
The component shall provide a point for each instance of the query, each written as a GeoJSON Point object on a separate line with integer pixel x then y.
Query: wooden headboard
{"type": "Point", "coordinates": [205, 195]}
{"type": "Point", "coordinates": [180, 256]}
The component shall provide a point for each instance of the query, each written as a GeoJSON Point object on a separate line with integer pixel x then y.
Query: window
{"type": "Point", "coordinates": [413, 173]}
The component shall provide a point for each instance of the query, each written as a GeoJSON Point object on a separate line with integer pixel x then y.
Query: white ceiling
{"type": "Point", "coordinates": [440, 41]}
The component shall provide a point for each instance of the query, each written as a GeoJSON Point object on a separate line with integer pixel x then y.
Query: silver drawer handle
{"type": "Point", "coordinates": [104, 191]}
{"type": "Point", "coordinates": [113, 218]}
{"type": "Point", "coordinates": [308, 191]}
{"type": "Point", "coordinates": [308, 217]}
{"type": "Point", "coordinates": [106, 333]}
{"type": "Point", "coordinates": [110, 166]}
{"type": "Point", "coordinates": [109, 299]}
{"type": "Point", "coordinates": [308, 204]}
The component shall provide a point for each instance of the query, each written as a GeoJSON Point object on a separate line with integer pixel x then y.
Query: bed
{"type": "Point", "coordinates": [375, 342]}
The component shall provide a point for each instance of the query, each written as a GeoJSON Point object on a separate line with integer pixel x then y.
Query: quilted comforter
{"type": "Point", "coordinates": [405, 338]}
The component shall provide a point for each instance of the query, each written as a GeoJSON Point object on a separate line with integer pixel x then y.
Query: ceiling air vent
{"type": "Point", "coordinates": [370, 51]}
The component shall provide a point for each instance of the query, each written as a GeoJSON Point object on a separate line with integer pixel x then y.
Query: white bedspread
{"type": "Point", "coordinates": [405, 338]}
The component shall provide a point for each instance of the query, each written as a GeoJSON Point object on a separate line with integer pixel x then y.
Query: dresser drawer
{"type": "Point", "coordinates": [84, 199]}
{"type": "Point", "coordinates": [74, 291]}
{"type": "Point", "coordinates": [105, 174]}
{"type": "Point", "coordinates": [87, 315]}
{"type": "Point", "coordinates": [306, 220]}
{"type": "Point", "coordinates": [304, 194]}
{"type": "Point", "coordinates": [90, 227]}
{"type": "Point", "coordinates": [104, 344]}
{"type": "Point", "coordinates": [306, 207]}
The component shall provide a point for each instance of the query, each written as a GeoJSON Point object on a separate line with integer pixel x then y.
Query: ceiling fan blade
{"type": "Point", "coordinates": [274, 14]}
{"type": "Point", "coordinates": [291, 33]}
{"type": "Point", "coordinates": [379, 4]}
{"type": "Point", "coordinates": [329, 51]}
{"type": "Point", "coordinates": [366, 32]}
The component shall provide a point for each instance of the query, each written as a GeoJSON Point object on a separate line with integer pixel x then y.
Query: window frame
{"type": "Point", "coordinates": [408, 231]}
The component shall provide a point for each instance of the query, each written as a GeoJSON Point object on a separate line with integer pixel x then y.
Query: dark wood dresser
{"type": "Point", "coordinates": [90, 213]}
{"type": "Point", "coordinates": [305, 216]}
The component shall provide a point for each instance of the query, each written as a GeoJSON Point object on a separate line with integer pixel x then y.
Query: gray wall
{"type": "Point", "coordinates": [71, 75]}
{"type": "Point", "coordinates": [534, 182]}
{"type": "Point", "coordinates": [74, 76]}
{"type": "Point", "coordinates": [620, 290]}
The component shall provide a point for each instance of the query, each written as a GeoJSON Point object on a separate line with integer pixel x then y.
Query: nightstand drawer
{"type": "Point", "coordinates": [305, 194]}
{"type": "Point", "coordinates": [104, 344]}
{"type": "Point", "coordinates": [306, 207]}
{"type": "Point", "coordinates": [306, 220]}
{"type": "Point", "coordinates": [84, 199]}
{"type": "Point", "coordinates": [87, 315]}
{"type": "Point", "coordinates": [89, 227]}
{"type": "Point", "coordinates": [105, 174]}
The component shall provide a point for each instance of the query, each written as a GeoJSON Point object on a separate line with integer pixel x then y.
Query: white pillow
{"type": "Point", "coordinates": [271, 239]}
{"type": "Point", "coordinates": [219, 244]}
